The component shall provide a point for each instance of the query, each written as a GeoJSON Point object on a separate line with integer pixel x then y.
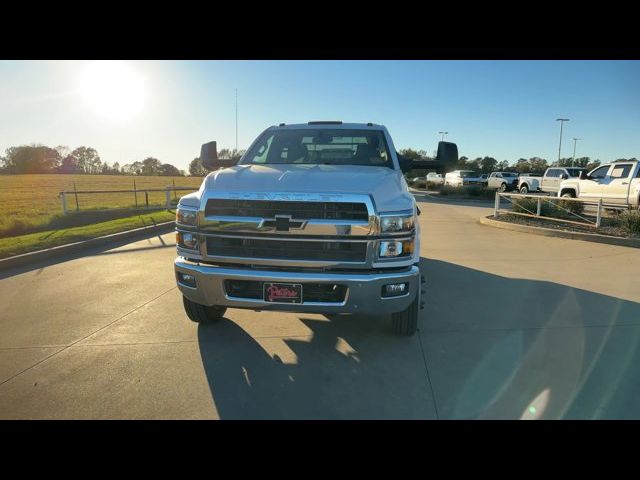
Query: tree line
{"type": "Point", "coordinates": [82, 160]}
{"type": "Point", "coordinates": [86, 160]}
{"type": "Point", "coordinates": [522, 165]}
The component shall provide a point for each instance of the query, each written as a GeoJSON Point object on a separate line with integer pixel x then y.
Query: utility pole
{"type": "Point", "coordinates": [561, 120]}
{"type": "Point", "coordinates": [443, 134]}
{"type": "Point", "coordinates": [573, 159]}
{"type": "Point", "coordinates": [236, 119]}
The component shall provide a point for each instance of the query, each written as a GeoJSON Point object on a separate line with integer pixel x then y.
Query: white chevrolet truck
{"type": "Point", "coordinates": [313, 218]}
{"type": "Point", "coordinates": [549, 182]}
{"type": "Point", "coordinates": [616, 183]}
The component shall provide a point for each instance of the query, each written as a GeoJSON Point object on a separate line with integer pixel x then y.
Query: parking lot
{"type": "Point", "coordinates": [514, 326]}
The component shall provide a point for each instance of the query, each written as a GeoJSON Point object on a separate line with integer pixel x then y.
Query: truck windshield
{"type": "Point", "coordinates": [320, 147]}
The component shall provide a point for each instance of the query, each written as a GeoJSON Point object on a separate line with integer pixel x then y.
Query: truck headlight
{"type": "Point", "coordinates": [395, 248]}
{"type": "Point", "coordinates": [186, 216]}
{"type": "Point", "coordinates": [187, 240]}
{"type": "Point", "coordinates": [396, 223]}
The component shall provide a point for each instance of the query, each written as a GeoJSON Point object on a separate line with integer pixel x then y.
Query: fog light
{"type": "Point", "coordinates": [187, 240]}
{"type": "Point", "coordinates": [186, 279]}
{"type": "Point", "coordinates": [395, 289]}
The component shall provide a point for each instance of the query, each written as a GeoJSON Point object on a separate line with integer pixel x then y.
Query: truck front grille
{"type": "Point", "coordinates": [311, 292]}
{"type": "Point", "coordinates": [302, 210]}
{"type": "Point", "coordinates": [333, 250]}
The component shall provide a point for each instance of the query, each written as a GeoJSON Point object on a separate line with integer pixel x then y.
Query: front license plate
{"type": "Point", "coordinates": [282, 292]}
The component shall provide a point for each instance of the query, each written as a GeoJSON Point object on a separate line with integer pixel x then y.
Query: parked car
{"type": "Point", "coordinates": [549, 182]}
{"type": "Point", "coordinates": [435, 178]}
{"type": "Point", "coordinates": [299, 225]}
{"type": "Point", "coordinates": [458, 178]}
{"type": "Point", "coordinates": [503, 181]}
{"type": "Point", "coordinates": [419, 182]}
{"type": "Point", "coordinates": [616, 182]}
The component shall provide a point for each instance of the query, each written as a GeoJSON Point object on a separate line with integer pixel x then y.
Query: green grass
{"type": "Point", "coordinates": [30, 203]}
{"type": "Point", "coordinates": [549, 207]}
{"type": "Point", "coordinates": [53, 238]}
{"type": "Point", "coordinates": [629, 221]}
{"type": "Point", "coordinates": [470, 191]}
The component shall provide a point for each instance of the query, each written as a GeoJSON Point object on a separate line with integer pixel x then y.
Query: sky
{"type": "Point", "coordinates": [166, 109]}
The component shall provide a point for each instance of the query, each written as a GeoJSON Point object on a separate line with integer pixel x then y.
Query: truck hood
{"type": "Point", "coordinates": [387, 187]}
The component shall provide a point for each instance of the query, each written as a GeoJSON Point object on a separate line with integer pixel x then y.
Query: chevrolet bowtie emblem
{"type": "Point", "coordinates": [284, 223]}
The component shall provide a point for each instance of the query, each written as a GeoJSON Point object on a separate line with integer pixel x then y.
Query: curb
{"type": "Point", "coordinates": [550, 232]}
{"type": "Point", "coordinates": [62, 250]}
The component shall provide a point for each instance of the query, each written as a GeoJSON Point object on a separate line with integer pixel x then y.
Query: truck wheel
{"type": "Point", "coordinates": [524, 189]}
{"type": "Point", "coordinates": [405, 323]}
{"type": "Point", "coordinates": [202, 313]}
{"type": "Point", "coordinates": [568, 194]}
{"type": "Point", "coordinates": [503, 187]}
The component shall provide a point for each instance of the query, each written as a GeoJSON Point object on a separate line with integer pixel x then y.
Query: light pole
{"type": "Point", "coordinates": [236, 120]}
{"type": "Point", "coordinates": [443, 134]}
{"type": "Point", "coordinates": [561, 120]}
{"type": "Point", "coordinates": [573, 159]}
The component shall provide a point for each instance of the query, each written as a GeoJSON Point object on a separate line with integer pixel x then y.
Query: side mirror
{"type": "Point", "coordinates": [584, 175]}
{"type": "Point", "coordinates": [209, 157]}
{"type": "Point", "coordinates": [406, 164]}
{"type": "Point", "coordinates": [564, 176]}
{"type": "Point", "coordinates": [447, 153]}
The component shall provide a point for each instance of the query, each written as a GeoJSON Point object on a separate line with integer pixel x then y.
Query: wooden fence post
{"type": "Point", "coordinates": [167, 193]}
{"type": "Point", "coordinates": [76, 194]}
{"type": "Point", "coordinates": [64, 203]}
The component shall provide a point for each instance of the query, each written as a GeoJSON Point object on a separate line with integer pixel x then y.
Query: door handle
{"type": "Point", "coordinates": [625, 183]}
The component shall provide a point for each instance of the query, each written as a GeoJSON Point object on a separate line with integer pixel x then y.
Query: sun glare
{"type": "Point", "coordinates": [112, 89]}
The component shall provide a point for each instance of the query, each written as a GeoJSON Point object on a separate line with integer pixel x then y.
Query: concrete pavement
{"type": "Point", "coordinates": [515, 326]}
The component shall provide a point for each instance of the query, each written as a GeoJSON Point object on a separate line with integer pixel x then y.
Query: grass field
{"type": "Point", "coordinates": [52, 238]}
{"type": "Point", "coordinates": [31, 203]}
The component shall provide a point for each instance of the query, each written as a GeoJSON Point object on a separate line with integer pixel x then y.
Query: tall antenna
{"type": "Point", "coordinates": [236, 119]}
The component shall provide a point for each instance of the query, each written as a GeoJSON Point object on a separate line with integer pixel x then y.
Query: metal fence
{"type": "Point", "coordinates": [560, 203]}
{"type": "Point", "coordinates": [139, 199]}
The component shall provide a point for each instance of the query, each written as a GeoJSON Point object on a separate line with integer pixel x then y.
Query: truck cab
{"type": "Point", "coordinates": [550, 181]}
{"type": "Point", "coordinates": [615, 183]}
{"type": "Point", "coordinates": [314, 217]}
{"type": "Point", "coordinates": [503, 181]}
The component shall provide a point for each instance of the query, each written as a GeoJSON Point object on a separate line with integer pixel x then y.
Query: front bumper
{"type": "Point", "coordinates": [364, 290]}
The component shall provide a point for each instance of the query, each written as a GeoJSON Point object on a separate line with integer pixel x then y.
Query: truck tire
{"type": "Point", "coordinates": [569, 194]}
{"type": "Point", "coordinates": [202, 313]}
{"type": "Point", "coordinates": [524, 189]}
{"type": "Point", "coordinates": [503, 187]}
{"type": "Point", "coordinates": [405, 323]}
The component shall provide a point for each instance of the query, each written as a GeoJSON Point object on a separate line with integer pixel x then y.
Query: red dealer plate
{"type": "Point", "coordinates": [282, 292]}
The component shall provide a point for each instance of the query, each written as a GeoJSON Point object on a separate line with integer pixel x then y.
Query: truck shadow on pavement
{"type": "Point", "coordinates": [488, 347]}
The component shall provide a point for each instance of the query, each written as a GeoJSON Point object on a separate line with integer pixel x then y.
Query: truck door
{"type": "Point", "coordinates": [615, 186]}
{"type": "Point", "coordinates": [551, 180]}
{"type": "Point", "coordinates": [592, 188]}
{"type": "Point", "coordinates": [493, 180]}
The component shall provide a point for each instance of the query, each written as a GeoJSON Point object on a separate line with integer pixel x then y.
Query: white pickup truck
{"type": "Point", "coordinates": [549, 182]}
{"type": "Point", "coordinates": [614, 183]}
{"type": "Point", "coordinates": [313, 218]}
